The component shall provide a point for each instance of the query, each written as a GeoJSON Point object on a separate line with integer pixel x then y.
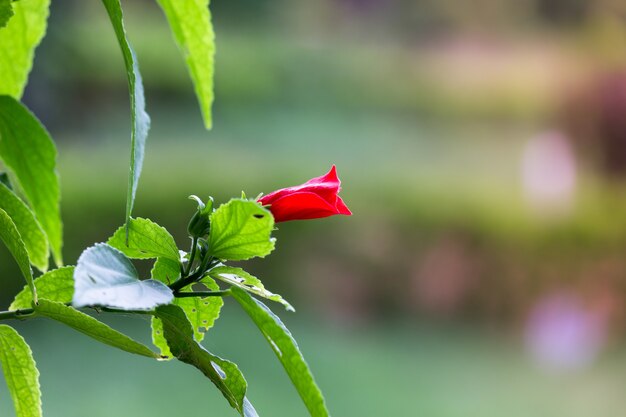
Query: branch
{"type": "Point", "coordinates": [202, 294]}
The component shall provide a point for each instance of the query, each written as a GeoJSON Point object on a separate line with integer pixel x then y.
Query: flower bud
{"type": "Point", "coordinates": [199, 225]}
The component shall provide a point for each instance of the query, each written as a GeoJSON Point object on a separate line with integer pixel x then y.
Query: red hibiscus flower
{"type": "Point", "coordinates": [314, 199]}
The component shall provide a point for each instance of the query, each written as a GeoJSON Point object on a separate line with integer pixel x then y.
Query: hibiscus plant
{"type": "Point", "coordinates": [186, 289]}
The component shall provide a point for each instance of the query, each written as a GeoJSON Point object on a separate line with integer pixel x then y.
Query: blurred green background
{"type": "Point", "coordinates": [482, 149]}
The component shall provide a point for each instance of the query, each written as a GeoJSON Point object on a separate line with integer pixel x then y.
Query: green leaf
{"type": "Point", "coordinates": [190, 21]}
{"type": "Point", "coordinates": [243, 279]}
{"type": "Point", "coordinates": [165, 270]}
{"type": "Point", "coordinates": [19, 38]}
{"type": "Point", "coordinates": [55, 285]}
{"type": "Point", "coordinates": [105, 277]}
{"type": "Point", "coordinates": [27, 149]}
{"type": "Point", "coordinates": [91, 327]}
{"type": "Point", "coordinates": [146, 240]}
{"type": "Point", "coordinates": [6, 12]}
{"type": "Point", "coordinates": [20, 373]}
{"type": "Point", "coordinates": [224, 374]}
{"type": "Point", "coordinates": [202, 312]}
{"type": "Point", "coordinates": [158, 339]}
{"type": "Point", "coordinates": [287, 351]}
{"type": "Point", "coordinates": [139, 117]}
{"type": "Point", "coordinates": [32, 234]}
{"type": "Point", "coordinates": [11, 237]}
{"type": "Point", "coordinates": [240, 230]}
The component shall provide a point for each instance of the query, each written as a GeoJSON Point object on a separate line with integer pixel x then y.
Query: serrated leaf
{"type": "Point", "coordinates": [105, 277]}
{"type": "Point", "coordinates": [202, 312]}
{"type": "Point", "coordinates": [19, 38]}
{"type": "Point", "coordinates": [12, 239]}
{"type": "Point", "coordinates": [55, 285]}
{"type": "Point", "coordinates": [165, 270]}
{"type": "Point", "coordinates": [146, 240]}
{"type": "Point", "coordinates": [224, 374]}
{"type": "Point", "coordinates": [91, 327]}
{"type": "Point", "coordinates": [139, 118]}
{"type": "Point", "coordinates": [190, 21]}
{"type": "Point", "coordinates": [20, 373]}
{"type": "Point", "coordinates": [158, 339]}
{"type": "Point", "coordinates": [32, 234]}
{"type": "Point", "coordinates": [27, 149]}
{"type": "Point", "coordinates": [286, 349]}
{"type": "Point", "coordinates": [240, 230]}
{"type": "Point", "coordinates": [242, 279]}
{"type": "Point", "coordinates": [6, 12]}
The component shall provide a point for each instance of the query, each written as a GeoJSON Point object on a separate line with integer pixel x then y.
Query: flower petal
{"type": "Point", "coordinates": [342, 208]}
{"type": "Point", "coordinates": [314, 199]}
{"type": "Point", "coordinates": [301, 206]}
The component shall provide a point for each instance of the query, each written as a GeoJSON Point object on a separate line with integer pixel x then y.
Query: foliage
{"type": "Point", "coordinates": [182, 296]}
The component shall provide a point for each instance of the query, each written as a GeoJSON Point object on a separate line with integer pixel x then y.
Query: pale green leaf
{"type": "Point", "coordinates": [242, 279]}
{"type": "Point", "coordinates": [32, 234]}
{"type": "Point", "coordinates": [202, 312]}
{"type": "Point", "coordinates": [18, 40]}
{"type": "Point", "coordinates": [105, 277]}
{"type": "Point", "coordinates": [20, 373]}
{"type": "Point", "coordinates": [6, 12]}
{"type": "Point", "coordinates": [158, 339]}
{"type": "Point", "coordinates": [91, 327]}
{"type": "Point", "coordinates": [165, 270]}
{"type": "Point", "coordinates": [240, 230]}
{"type": "Point", "coordinates": [139, 118]}
{"type": "Point", "coordinates": [27, 149]}
{"type": "Point", "coordinates": [146, 240]}
{"type": "Point", "coordinates": [287, 351]}
{"type": "Point", "coordinates": [12, 239]}
{"type": "Point", "coordinates": [190, 21]}
{"type": "Point", "coordinates": [224, 374]}
{"type": "Point", "coordinates": [55, 285]}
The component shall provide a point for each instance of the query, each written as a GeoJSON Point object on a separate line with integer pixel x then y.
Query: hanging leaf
{"type": "Point", "coordinates": [105, 277]}
{"type": "Point", "coordinates": [224, 374]}
{"type": "Point", "coordinates": [11, 237]}
{"type": "Point", "coordinates": [27, 149]}
{"type": "Point", "coordinates": [190, 21]}
{"type": "Point", "coordinates": [32, 234]}
{"type": "Point", "coordinates": [55, 285]}
{"type": "Point", "coordinates": [19, 38]}
{"type": "Point", "coordinates": [202, 312]}
{"type": "Point", "coordinates": [91, 327]}
{"type": "Point", "coordinates": [139, 117]}
{"type": "Point", "coordinates": [240, 230]}
{"type": "Point", "coordinates": [242, 279]}
{"type": "Point", "coordinates": [20, 373]}
{"type": "Point", "coordinates": [146, 240]}
{"type": "Point", "coordinates": [287, 351]}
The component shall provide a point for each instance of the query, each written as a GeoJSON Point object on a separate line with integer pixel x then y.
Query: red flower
{"type": "Point", "coordinates": [314, 199]}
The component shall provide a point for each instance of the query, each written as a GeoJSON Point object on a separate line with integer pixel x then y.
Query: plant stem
{"type": "Point", "coordinates": [221, 293]}
{"type": "Point", "coordinates": [17, 314]}
{"type": "Point", "coordinates": [183, 282]}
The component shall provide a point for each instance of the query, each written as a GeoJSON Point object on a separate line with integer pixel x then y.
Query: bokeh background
{"type": "Point", "coordinates": [482, 148]}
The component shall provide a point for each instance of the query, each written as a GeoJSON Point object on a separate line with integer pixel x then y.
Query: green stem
{"type": "Point", "coordinates": [17, 314]}
{"type": "Point", "coordinates": [222, 293]}
{"type": "Point", "coordinates": [183, 282]}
